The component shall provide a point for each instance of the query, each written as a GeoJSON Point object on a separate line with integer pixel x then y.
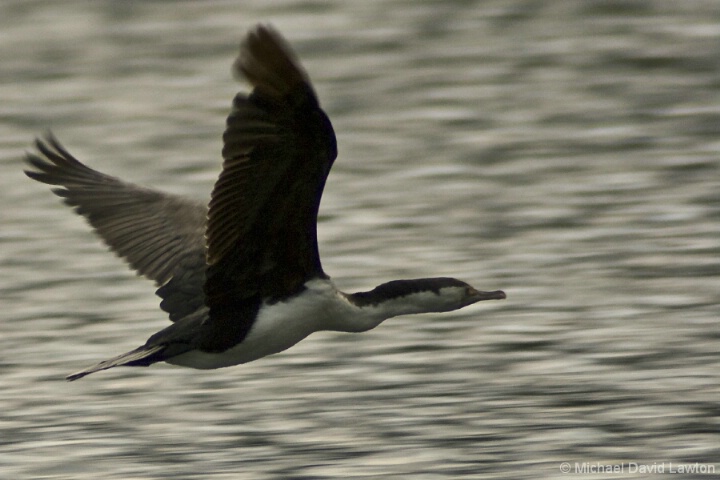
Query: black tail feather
{"type": "Point", "coordinates": [140, 357]}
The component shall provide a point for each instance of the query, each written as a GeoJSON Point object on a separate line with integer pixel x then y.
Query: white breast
{"type": "Point", "coordinates": [277, 327]}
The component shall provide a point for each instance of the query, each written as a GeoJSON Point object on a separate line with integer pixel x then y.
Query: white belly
{"type": "Point", "coordinates": [278, 327]}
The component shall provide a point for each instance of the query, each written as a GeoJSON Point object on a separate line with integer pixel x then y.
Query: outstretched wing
{"type": "Point", "coordinates": [278, 149]}
{"type": "Point", "coordinates": [159, 235]}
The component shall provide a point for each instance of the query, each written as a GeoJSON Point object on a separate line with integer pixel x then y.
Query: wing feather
{"type": "Point", "coordinates": [279, 147]}
{"type": "Point", "coordinates": [159, 235]}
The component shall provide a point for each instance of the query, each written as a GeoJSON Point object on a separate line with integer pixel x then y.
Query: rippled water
{"type": "Point", "coordinates": [566, 152]}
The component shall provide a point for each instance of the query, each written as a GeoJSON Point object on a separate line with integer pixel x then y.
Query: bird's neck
{"type": "Point", "coordinates": [323, 307]}
{"type": "Point", "coordinates": [356, 318]}
{"type": "Point", "coordinates": [366, 310]}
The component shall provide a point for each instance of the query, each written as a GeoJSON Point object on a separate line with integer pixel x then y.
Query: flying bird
{"type": "Point", "coordinates": [241, 278]}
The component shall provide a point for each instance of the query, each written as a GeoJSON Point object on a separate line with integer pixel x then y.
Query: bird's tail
{"type": "Point", "coordinates": [141, 356]}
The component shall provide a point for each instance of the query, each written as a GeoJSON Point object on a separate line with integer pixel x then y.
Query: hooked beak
{"type": "Point", "coordinates": [478, 296]}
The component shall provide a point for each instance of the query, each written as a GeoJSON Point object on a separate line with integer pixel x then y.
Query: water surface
{"type": "Point", "coordinates": [566, 152]}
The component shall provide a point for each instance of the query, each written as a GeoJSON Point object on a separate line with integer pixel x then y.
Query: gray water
{"type": "Point", "coordinates": [567, 152]}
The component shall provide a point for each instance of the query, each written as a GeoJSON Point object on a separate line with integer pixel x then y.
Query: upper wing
{"type": "Point", "coordinates": [279, 147]}
{"type": "Point", "coordinates": [160, 235]}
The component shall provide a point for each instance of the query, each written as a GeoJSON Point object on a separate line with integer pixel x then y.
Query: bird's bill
{"type": "Point", "coordinates": [478, 295]}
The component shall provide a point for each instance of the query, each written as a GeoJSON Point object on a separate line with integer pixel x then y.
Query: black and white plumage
{"type": "Point", "coordinates": [241, 278]}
